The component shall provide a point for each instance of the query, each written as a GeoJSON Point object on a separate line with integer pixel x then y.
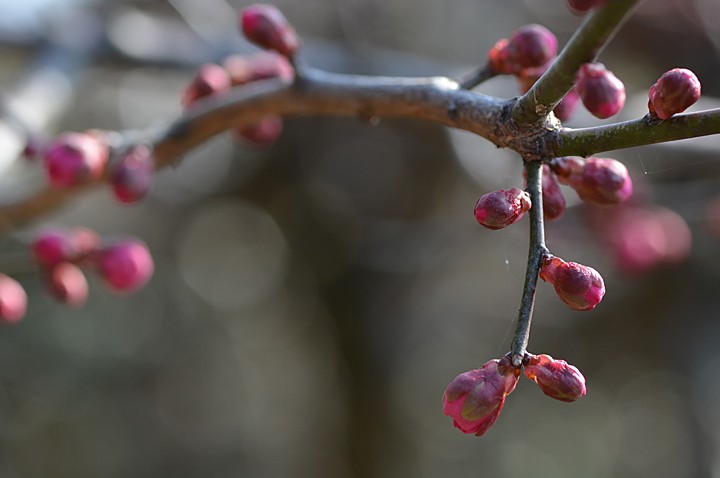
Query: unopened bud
{"type": "Point", "coordinates": [125, 266]}
{"type": "Point", "coordinates": [531, 46]}
{"type": "Point", "coordinates": [673, 93]}
{"type": "Point", "coordinates": [499, 209]}
{"type": "Point", "coordinates": [13, 300]}
{"type": "Point", "coordinates": [75, 158]}
{"type": "Point", "coordinates": [66, 283]}
{"type": "Point", "coordinates": [267, 27]}
{"type": "Point", "coordinates": [579, 287]}
{"type": "Point", "coordinates": [598, 181]}
{"type": "Point", "coordinates": [210, 79]}
{"type": "Point", "coordinates": [132, 175]}
{"type": "Point", "coordinates": [556, 378]}
{"type": "Point", "coordinates": [602, 93]}
{"type": "Point", "coordinates": [567, 106]}
{"type": "Point", "coordinates": [474, 399]}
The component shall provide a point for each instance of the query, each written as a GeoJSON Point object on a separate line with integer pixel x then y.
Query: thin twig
{"type": "Point", "coordinates": [536, 252]}
{"type": "Point", "coordinates": [639, 132]}
{"type": "Point", "coordinates": [476, 77]}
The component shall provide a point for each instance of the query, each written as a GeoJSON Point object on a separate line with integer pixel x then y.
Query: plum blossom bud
{"type": "Point", "coordinates": [75, 158]}
{"type": "Point", "coordinates": [210, 79]}
{"type": "Point", "coordinates": [673, 93]}
{"type": "Point", "coordinates": [267, 27]}
{"type": "Point", "coordinates": [67, 284]}
{"type": "Point", "coordinates": [567, 106]}
{"type": "Point", "coordinates": [598, 181]}
{"type": "Point", "coordinates": [474, 399]}
{"type": "Point", "coordinates": [556, 378]}
{"type": "Point", "coordinates": [132, 175]}
{"type": "Point", "coordinates": [84, 241]}
{"type": "Point", "coordinates": [531, 46]}
{"type": "Point", "coordinates": [579, 287]}
{"type": "Point", "coordinates": [13, 300]}
{"type": "Point", "coordinates": [263, 133]}
{"type": "Point", "coordinates": [582, 6]}
{"type": "Point", "coordinates": [602, 93]}
{"type": "Point", "coordinates": [553, 200]}
{"type": "Point", "coordinates": [501, 208]}
{"type": "Point", "coordinates": [125, 266]}
{"type": "Point", "coordinates": [51, 247]}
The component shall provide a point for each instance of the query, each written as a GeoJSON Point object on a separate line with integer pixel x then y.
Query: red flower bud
{"type": "Point", "coordinates": [210, 79]}
{"type": "Point", "coordinates": [267, 27]}
{"type": "Point", "coordinates": [501, 208]}
{"type": "Point", "coordinates": [581, 6]}
{"type": "Point", "coordinates": [567, 106]}
{"type": "Point", "coordinates": [51, 247]}
{"type": "Point", "coordinates": [125, 266]}
{"type": "Point", "coordinates": [67, 284]}
{"type": "Point", "coordinates": [474, 399]}
{"type": "Point", "coordinates": [579, 287]}
{"type": "Point", "coordinates": [13, 300]}
{"type": "Point", "coordinates": [598, 181]}
{"type": "Point", "coordinates": [132, 175]}
{"type": "Point", "coordinates": [673, 93]}
{"type": "Point", "coordinates": [602, 93]}
{"type": "Point", "coordinates": [556, 378]}
{"type": "Point", "coordinates": [529, 47]}
{"type": "Point", "coordinates": [553, 199]}
{"type": "Point", "coordinates": [75, 158]}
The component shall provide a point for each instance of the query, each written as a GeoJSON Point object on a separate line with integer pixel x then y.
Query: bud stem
{"type": "Point", "coordinates": [536, 251]}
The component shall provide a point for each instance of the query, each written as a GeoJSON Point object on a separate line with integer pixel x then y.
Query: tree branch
{"type": "Point", "coordinates": [639, 132]}
{"type": "Point", "coordinates": [584, 46]}
{"type": "Point", "coordinates": [536, 251]}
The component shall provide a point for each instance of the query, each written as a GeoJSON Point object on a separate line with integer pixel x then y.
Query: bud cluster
{"type": "Point", "coordinates": [237, 70]}
{"type": "Point", "coordinates": [123, 265]}
{"type": "Point", "coordinates": [530, 46]}
{"type": "Point", "coordinates": [475, 398]}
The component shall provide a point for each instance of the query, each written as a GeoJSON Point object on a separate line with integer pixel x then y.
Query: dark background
{"type": "Point", "coordinates": [312, 301]}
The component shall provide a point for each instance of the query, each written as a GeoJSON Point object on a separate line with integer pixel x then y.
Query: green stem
{"type": "Point", "coordinates": [536, 251]}
{"type": "Point", "coordinates": [639, 132]}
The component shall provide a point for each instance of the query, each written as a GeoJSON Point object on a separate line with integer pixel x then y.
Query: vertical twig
{"type": "Point", "coordinates": [536, 252]}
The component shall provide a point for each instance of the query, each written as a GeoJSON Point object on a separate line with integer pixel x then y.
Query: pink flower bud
{"type": "Point", "coordinates": [602, 93]}
{"type": "Point", "coordinates": [210, 79]}
{"type": "Point", "coordinates": [13, 300]}
{"type": "Point", "coordinates": [579, 287]}
{"type": "Point", "coordinates": [125, 266]}
{"type": "Point", "coordinates": [567, 106]}
{"type": "Point", "coordinates": [553, 199]}
{"type": "Point", "coordinates": [84, 242]}
{"type": "Point", "coordinates": [267, 27]}
{"type": "Point", "coordinates": [529, 47]}
{"type": "Point", "coordinates": [474, 399]}
{"type": "Point", "coordinates": [51, 247]}
{"type": "Point", "coordinates": [132, 175]}
{"type": "Point", "coordinates": [75, 158]}
{"type": "Point", "coordinates": [598, 181]}
{"type": "Point", "coordinates": [556, 378]}
{"type": "Point", "coordinates": [673, 93]}
{"type": "Point", "coordinates": [67, 284]}
{"type": "Point", "coordinates": [532, 46]}
{"type": "Point", "coordinates": [501, 208]}
{"type": "Point", "coordinates": [582, 6]}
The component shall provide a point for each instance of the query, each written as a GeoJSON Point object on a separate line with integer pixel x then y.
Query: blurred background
{"type": "Point", "coordinates": [312, 300]}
